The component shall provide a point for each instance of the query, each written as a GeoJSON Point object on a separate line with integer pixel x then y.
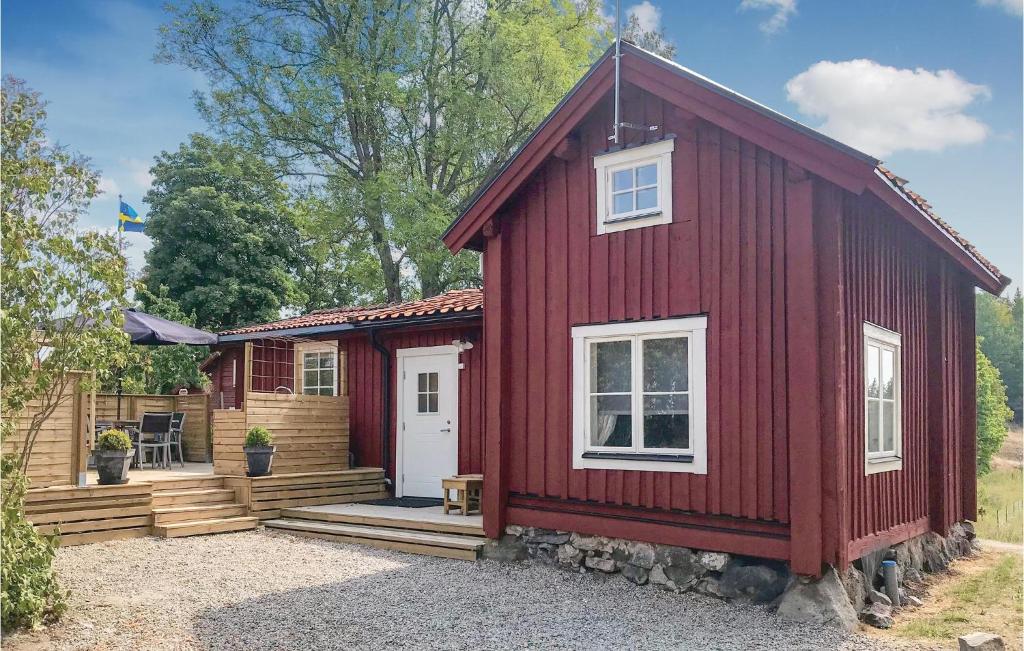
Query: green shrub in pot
{"type": "Point", "coordinates": [113, 454]}
{"type": "Point", "coordinates": [259, 451]}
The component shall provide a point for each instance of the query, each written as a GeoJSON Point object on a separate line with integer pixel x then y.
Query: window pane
{"type": "Point", "coordinates": [872, 429]}
{"type": "Point", "coordinates": [326, 360]}
{"type": "Point", "coordinates": [309, 360]}
{"type": "Point", "coordinates": [432, 384]}
{"type": "Point", "coordinates": [622, 180]}
{"type": "Point", "coordinates": [871, 371]}
{"type": "Point", "coordinates": [888, 426]}
{"type": "Point", "coordinates": [610, 367]}
{"type": "Point", "coordinates": [421, 382]}
{"type": "Point", "coordinates": [646, 175]}
{"type": "Point", "coordinates": [310, 391]}
{"type": "Point", "coordinates": [432, 402]}
{"type": "Point", "coordinates": [327, 378]}
{"type": "Point", "coordinates": [421, 403]}
{"type": "Point", "coordinates": [326, 391]}
{"type": "Point", "coordinates": [665, 364]}
{"type": "Point", "coordinates": [646, 199]}
{"type": "Point", "coordinates": [888, 376]}
{"type": "Point", "coordinates": [667, 421]}
{"type": "Point", "coordinates": [309, 379]}
{"type": "Point", "coordinates": [611, 421]}
{"type": "Point", "coordinates": [623, 203]}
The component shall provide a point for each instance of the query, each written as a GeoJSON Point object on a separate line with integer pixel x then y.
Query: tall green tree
{"type": "Point", "coordinates": [224, 239]}
{"type": "Point", "coordinates": [999, 326]}
{"type": "Point", "coordinates": [993, 412]}
{"type": "Point", "coordinates": [60, 285]}
{"type": "Point", "coordinates": [651, 40]}
{"type": "Point", "coordinates": [400, 107]}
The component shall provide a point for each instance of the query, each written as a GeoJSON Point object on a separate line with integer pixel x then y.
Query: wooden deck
{"type": "Point", "coordinates": [148, 475]}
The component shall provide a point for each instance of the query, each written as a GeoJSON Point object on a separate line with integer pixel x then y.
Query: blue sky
{"type": "Point", "coordinates": [933, 88]}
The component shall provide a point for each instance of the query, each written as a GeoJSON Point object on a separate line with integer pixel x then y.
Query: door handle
{"type": "Point", "coordinates": [446, 429]}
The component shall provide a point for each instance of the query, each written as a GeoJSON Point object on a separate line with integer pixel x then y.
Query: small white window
{"type": "Point", "coordinates": [639, 396]}
{"type": "Point", "coordinates": [883, 429]}
{"type": "Point", "coordinates": [634, 187]}
{"type": "Point", "coordinates": [426, 393]}
{"type": "Point", "coordinates": [319, 372]}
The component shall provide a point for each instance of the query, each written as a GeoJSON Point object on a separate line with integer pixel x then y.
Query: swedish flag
{"type": "Point", "coordinates": [129, 219]}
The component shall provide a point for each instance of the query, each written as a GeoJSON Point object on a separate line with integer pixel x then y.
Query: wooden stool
{"type": "Point", "coordinates": [467, 492]}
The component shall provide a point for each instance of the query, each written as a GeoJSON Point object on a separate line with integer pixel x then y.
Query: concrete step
{"type": "Point", "coordinates": [193, 496]}
{"type": "Point", "coordinates": [410, 522]}
{"type": "Point", "coordinates": [405, 540]}
{"type": "Point", "coordinates": [201, 527]}
{"type": "Point", "coordinates": [184, 483]}
{"type": "Point", "coordinates": [173, 514]}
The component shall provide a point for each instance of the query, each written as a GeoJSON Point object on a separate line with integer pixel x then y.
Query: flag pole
{"type": "Point", "coordinates": [120, 227]}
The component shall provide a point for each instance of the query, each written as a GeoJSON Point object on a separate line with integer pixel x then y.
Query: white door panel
{"type": "Point", "coordinates": [428, 421]}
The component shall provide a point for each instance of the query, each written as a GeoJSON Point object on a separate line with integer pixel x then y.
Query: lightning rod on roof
{"type": "Point", "coordinates": [619, 124]}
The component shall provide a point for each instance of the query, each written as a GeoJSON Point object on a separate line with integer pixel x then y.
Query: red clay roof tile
{"type": "Point", "coordinates": [458, 300]}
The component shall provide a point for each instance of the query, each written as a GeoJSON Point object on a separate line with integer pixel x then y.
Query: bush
{"type": "Point", "coordinates": [258, 437]}
{"type": "Point", "coordinates": [114, 439]}
{"type": "Point", "coordinates": [993, 412]}
{"type": "Point", "coordinates": [31, 594]}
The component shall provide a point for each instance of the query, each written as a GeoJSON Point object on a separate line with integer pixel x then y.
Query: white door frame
{"type": "Point", "coordinates": [402, 354]}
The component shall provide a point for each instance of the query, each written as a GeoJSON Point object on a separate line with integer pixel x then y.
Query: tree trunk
{"type": "Point", "coordinates": [382, 246]}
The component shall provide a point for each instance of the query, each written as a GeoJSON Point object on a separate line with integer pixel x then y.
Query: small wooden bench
{"type": "Point", "coordinates": [467, 493]}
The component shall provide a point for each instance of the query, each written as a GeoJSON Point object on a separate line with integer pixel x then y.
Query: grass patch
{"type": "Point", "coordinates": [1000, 506]}
{"type": "Point", "coordinates": [981, 594]}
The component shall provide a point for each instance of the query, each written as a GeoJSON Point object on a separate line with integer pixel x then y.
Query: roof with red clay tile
{"type": "Point", "coordinates": [926, 208]}
{"type": "Point", "coordinates": [456, 301]}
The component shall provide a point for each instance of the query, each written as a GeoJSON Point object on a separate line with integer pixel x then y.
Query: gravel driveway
{"type": "Point", "coordinates": [261, 590]}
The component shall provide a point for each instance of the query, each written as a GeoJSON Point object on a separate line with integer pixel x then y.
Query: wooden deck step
{"type": "Point", "coordinates": [405, 540]}
{"type": "Point", "coordinates": [202, 481]}
{"type": "Point", "coordinates": [193, 496]}
{"type": "Point", "coordinates": [173, 514]}
{"type": "Point", "coordinates": [201, 527]}
{"type": "Point", "coordinates": [390, 522]}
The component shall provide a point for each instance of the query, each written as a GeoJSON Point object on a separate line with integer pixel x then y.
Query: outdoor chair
{"type": "Point", "coordinates": [177, 426]}
{"type": "Point", "coordinates": [156, 426]}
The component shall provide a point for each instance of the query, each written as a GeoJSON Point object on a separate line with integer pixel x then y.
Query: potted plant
{"type": "Point", "coordinates": [113, 454]}
{"type": "Point", "coordinates": [259, 451]}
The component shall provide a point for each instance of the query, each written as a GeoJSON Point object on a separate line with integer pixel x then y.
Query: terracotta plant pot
{"type": "Point", "coordinates": [112, 466]}
{"type": "Point", "coordinates": [259, 460]}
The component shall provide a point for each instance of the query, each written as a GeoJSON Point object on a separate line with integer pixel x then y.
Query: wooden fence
{"type": "Point", "coordinates": [196, 435]}
{"type": "Point", "coordinates": [59, 453]}
{"type": "Point", "coordinates": [311, 432]}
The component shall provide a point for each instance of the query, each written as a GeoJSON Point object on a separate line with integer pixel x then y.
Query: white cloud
{"type": "Point", "coordinates": [880, 109]}
{"type": "Point", "coordinates": [138, 172]}
{"type": "Point", "coordinates": [647, 15]}
{"type": "Point", "coordinates": [1012, 7]}
{"type": "Point", "coordinates": [782, 11]}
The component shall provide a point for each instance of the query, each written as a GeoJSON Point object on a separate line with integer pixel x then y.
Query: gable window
{"type": "Point", "coordinates": [634, 187]}
{"type": "Point", "coordinates": [883, 430]}
{"type": "Point", "coordinates": [639, 396]}
{"type": "Point", "coordinates": [319, 372]}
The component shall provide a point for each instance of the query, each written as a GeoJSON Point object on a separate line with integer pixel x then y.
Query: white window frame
{"type": "Point", "coordinates": [605, 165]}
{"type": "Point", "coordinates": [884, 460]}
{"type": "Point", "coordinates": [320, 350]}
{"type": "Point", "coordinates": [695, 330]}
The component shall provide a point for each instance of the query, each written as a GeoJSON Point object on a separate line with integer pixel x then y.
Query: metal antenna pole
{"type": "Point", "coordinates": [618, 56]}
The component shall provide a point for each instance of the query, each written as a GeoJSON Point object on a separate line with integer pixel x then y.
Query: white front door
{"type": "Point", "coordinates": [428, 429]}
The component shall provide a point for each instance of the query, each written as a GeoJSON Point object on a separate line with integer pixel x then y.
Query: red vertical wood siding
{"type": "Point", "coordinates": [365, 367]}
{"type": "Point", "coordinates": [893, 279]}
{"type": "Point", "coordinates": [724, 255]}
{"type": "Point", "coordinates": [225, 394]}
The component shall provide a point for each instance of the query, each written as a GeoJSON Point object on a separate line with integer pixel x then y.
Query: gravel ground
{"type": "Point", "coordinates": [261, 590]}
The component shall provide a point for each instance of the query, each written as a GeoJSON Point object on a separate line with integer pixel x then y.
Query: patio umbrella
{"type": "Point", "coordinates": [148, 330]}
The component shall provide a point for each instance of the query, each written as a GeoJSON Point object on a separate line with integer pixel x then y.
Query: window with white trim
{"type": "Point", "coordinates": [883, 429]}
{"type": "Point", "coordinates": [639, 395]}
{"type": "Point", "coordinates": [319, 372]}
{"type": "Point", "coordinates": [634, 187]}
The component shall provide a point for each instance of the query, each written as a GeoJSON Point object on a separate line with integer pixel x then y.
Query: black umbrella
{"type": "Point", "coordinates": [148, 330]}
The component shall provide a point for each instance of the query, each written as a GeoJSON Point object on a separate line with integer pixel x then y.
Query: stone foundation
{"type": "Point", "coordinates": [835, 599]}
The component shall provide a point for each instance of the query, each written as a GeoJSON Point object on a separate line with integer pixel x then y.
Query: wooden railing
{"type": "Point", "coordinates": [311, 433]}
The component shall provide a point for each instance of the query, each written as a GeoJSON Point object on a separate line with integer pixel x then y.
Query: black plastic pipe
{"type": "Point", "coordinates": [385, 382]}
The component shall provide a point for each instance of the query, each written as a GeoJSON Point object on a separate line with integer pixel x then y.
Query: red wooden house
{"type": "Point", "coordinates": [729, 333]}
